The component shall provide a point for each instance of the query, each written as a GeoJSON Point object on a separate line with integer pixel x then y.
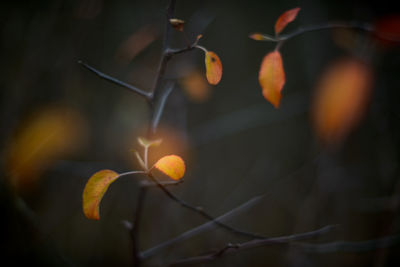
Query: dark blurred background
{"type": "Point", "coordinates": [60, 123]}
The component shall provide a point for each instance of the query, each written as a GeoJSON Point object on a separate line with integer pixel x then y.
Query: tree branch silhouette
{"type": "Point", "coordinates": [234, 248]}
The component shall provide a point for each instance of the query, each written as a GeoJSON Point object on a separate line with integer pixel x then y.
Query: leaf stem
{"type": "Point", "coordinates": [131, 173]}
{"type": "Point", "coordinates": [202, 48]}
{"type": "Point", "coordinates": [146, 156]}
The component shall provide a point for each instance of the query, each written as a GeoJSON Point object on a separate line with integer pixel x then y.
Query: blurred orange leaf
{"type": "Point", "coordinates": [94, 191]}
{"type": "Point", "coordinates": [195, 86]}
{"type": "Point", "coordinates": [48, 135]}
{"type": "Point", "coordinates": [285, 19]}
{"type": "Point", "coordinates": [171, 165]}
{"type": "Point", "coordinates": [136, 43]}
{"type": "Point", "coordinates": [213, 68]}
{"type": "Point", "coordinates": [341, 99]}
{"type": "Point", "coordinates": [272, 77]}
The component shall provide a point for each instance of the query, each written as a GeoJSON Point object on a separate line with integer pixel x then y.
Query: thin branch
{"type": "Point", "coordinates": [233, 248]}
{"type": "Point", "coordinates": [135, 229]}
{"type": "Point", "coordinates": [190, 47]}
{"type": "Point", "coordinates": [165, 57]}
{"type": "Point", "coordinates": [160, 91]}
{"type": "Point", "coordinates": [160, 105]}
{"type": "Point", "coordinates": [146, 95]}
{"type": "Point", "coordinates": [351, 247]}
{"type": "Point", "coordinates": [201, 211]}
{"type": "Point", "coordinates": [200, 229]}
{"type": "Point", "coordinates": [354, 25]}
{"type": "Point", "coordinates": [339, 25]}
{"type": "Point", "coordinates": [168, 26]}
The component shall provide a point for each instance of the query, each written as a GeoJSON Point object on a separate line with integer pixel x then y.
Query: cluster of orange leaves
{"type": "Point", "coordinates": [172, 166]}
{"type": "Point", "coordinates": [341, 98]}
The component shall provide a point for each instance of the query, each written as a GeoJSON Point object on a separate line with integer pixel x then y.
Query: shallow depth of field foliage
{"type": "Point", "coordinates": [289, 135]}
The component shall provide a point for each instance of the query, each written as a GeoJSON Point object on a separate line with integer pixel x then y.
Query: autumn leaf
{"type": "Point", "coordinates": [341, 98]}
{"type": "Point", "coordinates": [172, 165]}
{"type": "Point", "coordinates": [196, 86]}
{"type": "Point", "coordinates": [285, 19]}
{"type": "Point", "coordinates": [272, 77]}
{"type": "Point", "coordinates": [213, 68]}
{"type": "Point", "coordinates": [178, 24]}
{"type": "Point", "coordinates": [94, 191]}
{"type": "Point", "coordinates": [49, 134]}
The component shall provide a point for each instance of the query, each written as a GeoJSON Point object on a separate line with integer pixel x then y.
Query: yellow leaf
{"type": "Point", "coordinates": [285, 19]}
{"type": "Point", "coordinates": [272, 77]}
{"type": "Point", "coordinates": [171, 165]}
{"type": "Point", "coordinates": [213, 68]}
{"type": "Point", "coordinates": [94, 191]}
{"type": "Point", "coordinates": [340, 100]}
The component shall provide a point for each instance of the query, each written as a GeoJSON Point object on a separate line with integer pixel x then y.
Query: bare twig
{"type": "Point", "coordinates": [233, 248]}
{"type": "Point", "coordinates": [223, 218]}
{"type": "Point", "coordinates": [201, 211]}
{"type": "Point", "coordinates": [338, 25]}
{"type": "Point", "coordinates": [135, 229]}
{"type": "Point", "coordinates": [159, 105]}
{"type": "Point", "coordinates": [351, 247]}
{"type": "Point", "coordinates": [161, 90]}
{"type": "Point", "coordinates": [146, 95]}
{"type": "Point", "coordinates": [200, 229]}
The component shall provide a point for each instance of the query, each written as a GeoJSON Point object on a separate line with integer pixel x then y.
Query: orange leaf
{"type": "Point", "coordinates": [213, 67]}
{"type": "Point", "coordinates": [171, 165]}
{"type": "Point", "coordinates": [272, 77]}
{"type": "Point", "coordinates": [94, 191]}
{"type": "Point", "coordinates": [196, 87]}
{"type": "Point", "coordinates": [285, 19]}
{"type": "Point", "coordinates": [341, 99]}
{"type": "Point", "coordinates": [50, 134]}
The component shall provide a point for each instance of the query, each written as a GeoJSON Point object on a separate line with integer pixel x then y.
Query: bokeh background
{"type": "Point", "coordinates": [60, 123]}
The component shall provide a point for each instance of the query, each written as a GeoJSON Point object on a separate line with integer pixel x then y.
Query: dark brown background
{"type": "Point", "coordinates": [236, 145]}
